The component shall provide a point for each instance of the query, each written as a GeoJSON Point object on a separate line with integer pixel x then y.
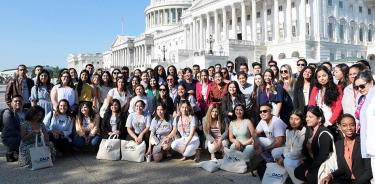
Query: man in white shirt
{"type": "Point", "coordinates": [274, 129]}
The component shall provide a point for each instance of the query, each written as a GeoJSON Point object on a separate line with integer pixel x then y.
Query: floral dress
{"type": "Point", "coordinates": [24, 159]}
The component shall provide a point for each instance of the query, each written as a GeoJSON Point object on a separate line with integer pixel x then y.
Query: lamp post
{"type": "Point", "coordinates": [211, 40]}
{"type": "Point", "coordinates": [164, 51]}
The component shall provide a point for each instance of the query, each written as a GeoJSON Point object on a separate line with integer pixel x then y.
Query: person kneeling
{"type": "Point", "coordinates": [138, 124]}
{"type": "Point", "coordinates": [185, 123]}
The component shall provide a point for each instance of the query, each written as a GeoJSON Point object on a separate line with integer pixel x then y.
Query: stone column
{"type": "Point", "coordinates": [302, 25]}
{"type": "Point", "coordinates": [201, 40]}
{"type": "Point", "coordinates": [225, 24]}
{"type": "Point", "coordinates": [265, 30]}
{"type": "Point", "coordinates": [216, 20]}
{"type": "Point", "coordinates": [276, 26]}
{"type": "Point", "coordinates": [254, 20]}
{"type": "Point", "coordinates": [208, 29]}
{"type": "Point", "coordinates": [243, 21]}
{"type": "Point", "coordinates": [193, 34]}
{"type": "Point", "coordinates": [176, 15]}
{"type": "Point", "coordinates": [234, 22]}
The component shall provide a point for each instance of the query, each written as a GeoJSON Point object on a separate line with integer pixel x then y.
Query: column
{"type": "Point", "coordinates": [324, 19]}
{"type": "Point", "coordinates": [302, 25]}
{"type": "Point", "coordinates": [216, 22]}
{"type": "Point", "coordinates": [208, 29]}
{"type": "Point", "coordinates": [312, 19]}
{"type": "Point", "coordinates": [225, 24]}
{"type": "Point", "coordinates": [193, 34]}
{"type": "Point", "coordinates": [176, 15]}
{"type": "Point", "coordinates": [254, 20]}
{"type": "Point", "coordinates": [170, 16]}
{"type": "Point", "coordinates": [276, 26]}
{"type": "Point", "coordinates": [265, 31]}
{"type": "Point", "coordinates": [243, 21]}
{"type": "Point", "coordinates": [234, 22]}
{"type": "Point", "coordinates": [186, 37]}
{"type": "Point", "coordinates": [201, 40]}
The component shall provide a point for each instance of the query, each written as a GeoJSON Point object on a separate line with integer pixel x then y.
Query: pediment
{"type": "Point", "coordinates": [201, 3]}
{"type": "Point", "coordinates": [119, 41]}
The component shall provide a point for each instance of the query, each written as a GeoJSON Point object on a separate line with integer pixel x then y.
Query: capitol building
{"type": "Point", "coordinates": [205, 32]}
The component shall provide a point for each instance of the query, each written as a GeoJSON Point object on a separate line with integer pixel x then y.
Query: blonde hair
{"type": "Point", "coordinates": [291, 78]}
{"type": "Point", "coordinates": [208, 118]}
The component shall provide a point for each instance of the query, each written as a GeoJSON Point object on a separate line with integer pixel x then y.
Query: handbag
{"type": "Point", "coordinates": [210, 165]}
{"type": "Point", "coordinates": [109, 149]}
{"type": "Point", "coordinates": [274, 174]}
{"type": "Point", "coordinates": [131, 151]}
{"type": "Point", "coordinates": [40, 155]}
{"type": "Point", "coordinates": [233, 161]}
{"type": "Point", "coordinates": [330, 165]}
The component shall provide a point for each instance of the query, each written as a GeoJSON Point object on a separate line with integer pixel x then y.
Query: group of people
{"type": "Point", "coordinates": [289, 118]}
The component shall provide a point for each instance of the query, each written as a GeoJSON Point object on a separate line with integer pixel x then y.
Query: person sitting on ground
{"type": "Point", "coordinates": [138, 124]}
{"type": "Point", "coordinates": [274, 129]}
{"type": "Point", "coordinates": [161, 126]}
{"type": "Point", "coordinates": [113, 121]}
{"type": "Point", "coordinates": [215, 131]}
{"type": "Point", "coordinates": [87, 127]}
{"type": "Point", "coordinates": [240, 133]}
{"type": "Point", "coordinates": [59, 125]}
{"type": "Point", "coordinates": [295, 135]}
{"type": "Point", "coordinates": [11, 135]}
{"type": "Point", "coordinates": [186, 124]}
{"type": "Point", "coordinates": [352, 168]}
{"type": "Point", "coordinates": [30, 128]}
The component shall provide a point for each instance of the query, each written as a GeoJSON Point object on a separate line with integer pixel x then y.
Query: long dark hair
{"type": "Point", "coordinates": [110, 82]}
{"type": "Point", "coordinates": [156, 73]}
{"type": "Point", "coordinates": [109, 111]}
{"type": "Point", "coordinates": [164, 106]}
{"type": "Point", "coordinates": [318, 112]}
{"type": "Point", "coordinates": [301, 116]}
{"type": "Point", "coordinates": [238, 91]}
{"type": "Point", "coordinates": [80, 82]}
{"type": "Point", "coordinates": [34, 111]}
{"type": "Point", "coordinates": [332, 93]}
{"type": "Point", "coordinates": [49, 85]}
{"type": "Point", "coordinates": [68, 111]}
{"type": "Point", "coordinates": [70, 83]}
{"type": "Point", "coordinates": [344, 68]}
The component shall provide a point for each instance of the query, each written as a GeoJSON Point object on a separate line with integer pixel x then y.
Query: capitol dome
{"type": "Point", "coordinates": [165, 14]}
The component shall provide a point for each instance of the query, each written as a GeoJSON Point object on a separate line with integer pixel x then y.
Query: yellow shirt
{"type": "Point", "coordinates": [86, 93]}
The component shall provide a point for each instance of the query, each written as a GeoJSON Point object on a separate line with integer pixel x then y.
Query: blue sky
{"type": "Point", "coordinates": [46, 31]}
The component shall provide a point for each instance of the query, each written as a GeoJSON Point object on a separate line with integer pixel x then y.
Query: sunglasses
{"type": "Point", "coordinates": [271, 65]}
{"type": "Point", "coordinates": [284, 71]}
{"type": "Point", "coordinates": [169, 79]}
{"type": "Point", "coordinates": [361, 86]}
{"type": "Point", "coordinates": [162, 89]}
{"type": "Point", "coordinates": [116, 73]}
{"type": "Point", "coordinates": [229, 66]}
{"type": "Point", "coordinates": [263, 111]}
{"type": "Point", "coordinates": [300, 64]}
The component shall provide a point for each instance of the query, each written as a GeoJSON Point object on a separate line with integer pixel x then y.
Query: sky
{"type": "Point", "coordinates": [45, 31]}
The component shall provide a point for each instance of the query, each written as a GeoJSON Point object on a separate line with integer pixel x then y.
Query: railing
{"type": "Point", "coordinates": [240, 42]}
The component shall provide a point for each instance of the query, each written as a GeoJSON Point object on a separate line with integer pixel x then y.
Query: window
{"type": "Point", "coordinates": [361, 34]}
{"type": "Point", "coordinates": [330, 30]}
{"type": "Point", "coordinates": [330, 2]}
{"type": "Point", "coordinates": [293, 4]}
{"type": "Point", "coordinates": [280, 8]}
{"type": "Point", "coordinates": [238, 19]}
{"type": "Point", "coordinates": [269, 11]}
{"type": "Point", "coordinates": [294, 33]}
{"type": "Point", "coordinates": [308, 28]}
{"type": "Point", "coordinates": [258, 14]}
{"type": "Point", "coordinates": [343, 55]}
{"type": "Point", "coordinates": [331, 56]}
{"type": "Point", "coordinates": [248, 17]}
{"type": "Point", "coordinates": [369, 34]}
{"type": "Point", "coordinates": [360, 9]}
{"type": "Point", "coordinates": [369, 11]}
{"type": "Point", "coordinates": [351, 7]}
{"type": "Point", "coordinates": [341, 32]}
{"type": "Point", "coordinates": [341, 4]}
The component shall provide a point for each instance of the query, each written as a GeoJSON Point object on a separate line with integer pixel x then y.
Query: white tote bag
{"type": "Point", "coordinates": [210, 165]}
{"type": "Point", "coordinates": [109, 149]}
{"type": "Point", "coordinates": [233, 161]}
{"type": "Point", "coordinates": [274, 174]}
{"type": "Point", "coordinates": [130, 151]}
{"type": "Point", "coordinates": [330, 165]}
{"type": "Point", "coordinates": [40, 156]}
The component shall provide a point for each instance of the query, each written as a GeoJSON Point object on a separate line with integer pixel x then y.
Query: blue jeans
{"type": "Point", "coordinates": [79, 141]}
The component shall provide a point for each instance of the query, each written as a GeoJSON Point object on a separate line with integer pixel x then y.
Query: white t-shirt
{"type": "Point", "coordinates": [113, 123]}
{"type": "Point", "coordinates": [138, 123]}
{"type": "Point", "coordinates": [276, 128]}
{"type": "Point", "coordinates": [184, 127]}
{"type": "Point", "coordinates": [122, 97]}
{"type": "Point", "coordinates": [86, 123]}
{"type": "Point", "coordinates": [161, 128]}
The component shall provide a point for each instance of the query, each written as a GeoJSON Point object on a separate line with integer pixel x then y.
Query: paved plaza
{"type": "Point", "coordinates": [84, 168]}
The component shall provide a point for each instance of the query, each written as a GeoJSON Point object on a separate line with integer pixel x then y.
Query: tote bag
{"type": "Point", "coordinates": [109, 149]}
{"type": "Point", "coordinates": [233, 161]}
{"type": "Point", "coordinates": [210, 165]}
{"type": "Point", "coordinates": [40, 155]}
{"type": "Point", "coordinates": [130, 151]}
{"type": "Point", "coordinates": [330, 165]}
{"type": "Point", "coordinates": [275, 174]}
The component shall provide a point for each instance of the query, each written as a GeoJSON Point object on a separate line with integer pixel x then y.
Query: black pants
{"type": "Point", "coordinates": [12, 144]}
{"type": "Point", "coordinates": [62, 144]}
{"type": "Point", "coordinates": [312, 176]}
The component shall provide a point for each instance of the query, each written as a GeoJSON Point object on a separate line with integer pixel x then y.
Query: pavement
{"type": "Point", "coordinates": [84, 168]}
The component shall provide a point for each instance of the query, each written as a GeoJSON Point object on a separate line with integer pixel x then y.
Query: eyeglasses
{"type": "Point", "coordinates": [271, 65]}
{"type": "Point", "coordinates": [229, 66]}
{"type": "Point", "coordinates": [361, 86]}
{"type": "Point", "coordinates": [162, 89]}
{"type": "Point", "coordinates": [115, 73]}
{"type": "Point", "coordinates": [224, 72]}
{"type": "Point", "coordinates": [169, 79]}
{"type": "Point", "coordinates": [263, 111]}
{"type": "Point", "coordinates": [284, 71]}
{"type": "Point", "coordinates": [300, 64]}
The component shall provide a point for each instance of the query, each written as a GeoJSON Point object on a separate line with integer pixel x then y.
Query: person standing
{"type": "Point", "coordinates": [20, 85]}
